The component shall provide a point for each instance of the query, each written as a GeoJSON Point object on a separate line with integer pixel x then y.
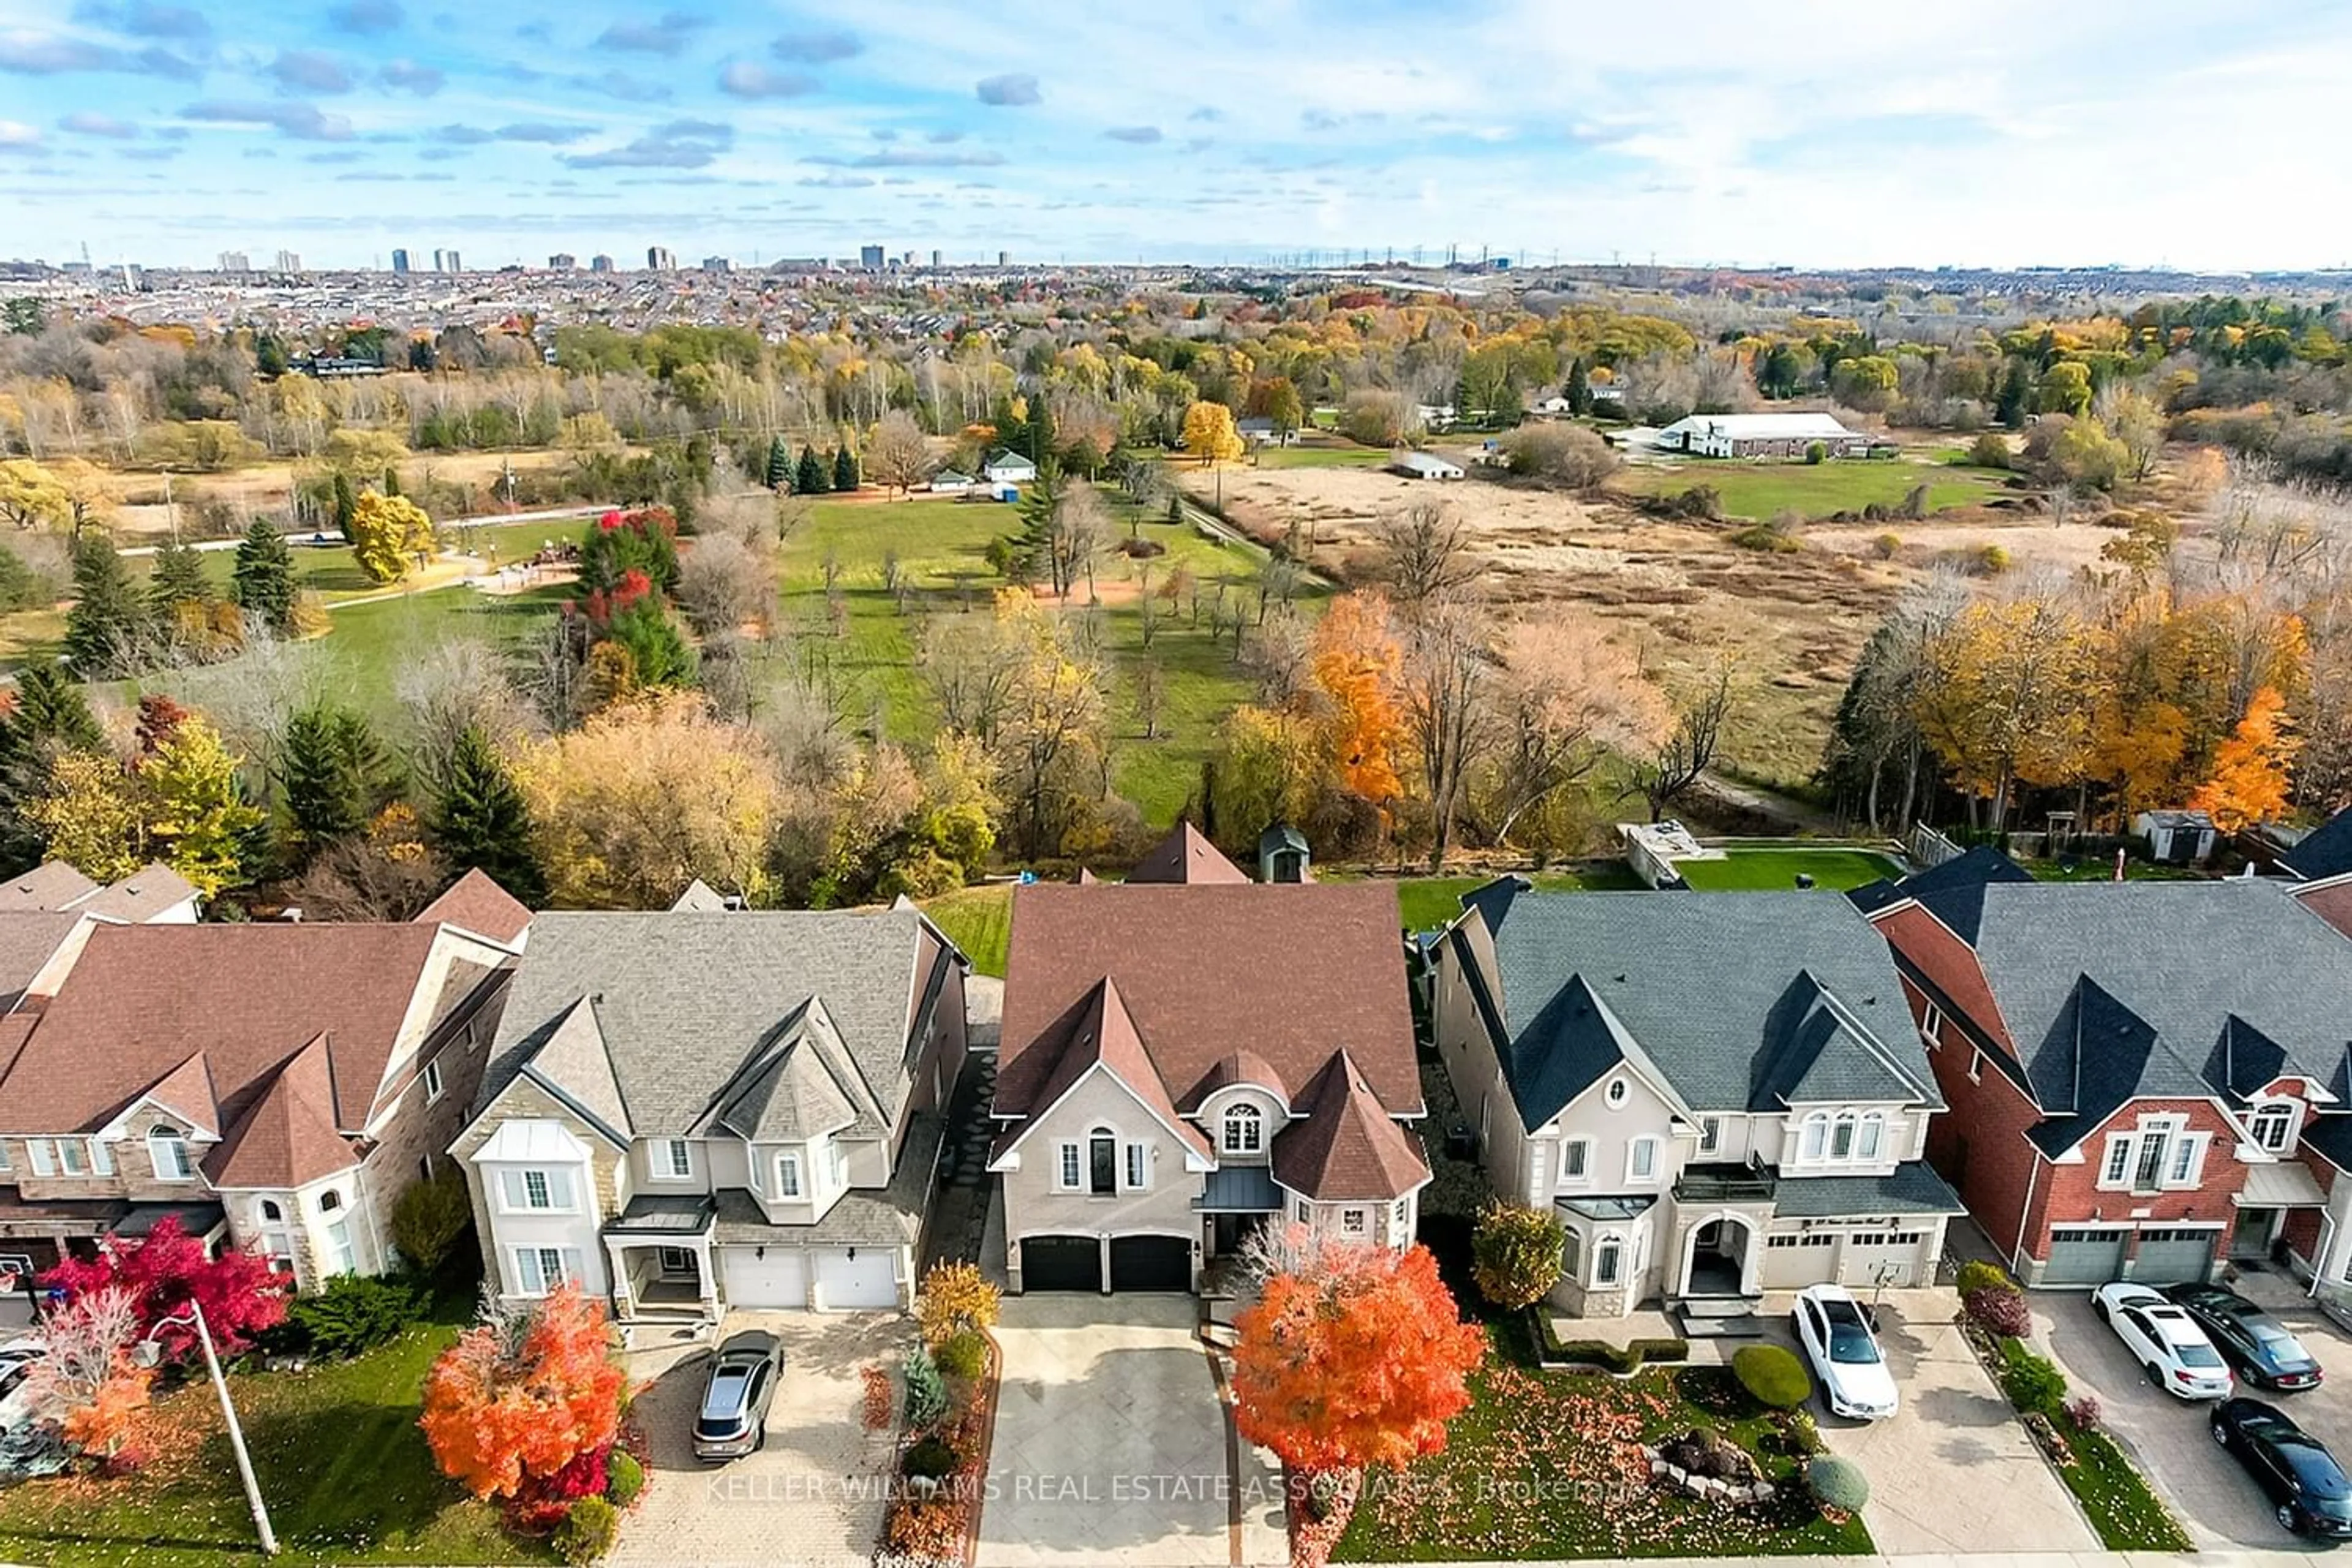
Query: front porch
{"type": "Point", "coordinates": [658, 1253]}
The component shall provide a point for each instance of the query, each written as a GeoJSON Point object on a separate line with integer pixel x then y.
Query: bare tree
{"type": "Point", "coordinates": [969, 663]}
{"type": "Point", "coordinates": [1279, 654]}
{"type": "Point", "coordinates": [1666, 773]}
{"type": "Point", "coordinates": [1425, 552]}
{"type": "Point", "coordinates": [1566, 454]}
{"type": "Point", "coordinates": [897, 454]}
{"type": "Point", "coordinates": [1147, 697]}
{"type": "Point", "coordinates": [724, 584]}
{"type": "Point", "coordinates": [1447, 672]}
{"type": "Point", "coordinates": [455, 684]}
{"type": "Point", "coordinates": [1568, 697]}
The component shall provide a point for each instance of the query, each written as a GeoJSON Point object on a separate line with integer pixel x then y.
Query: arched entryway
{"type": "Point", "coordinates": [1716, 1256]}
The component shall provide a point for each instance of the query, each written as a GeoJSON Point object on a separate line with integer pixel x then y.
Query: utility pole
{"type": "Point", "coordinates": [149, 1351]}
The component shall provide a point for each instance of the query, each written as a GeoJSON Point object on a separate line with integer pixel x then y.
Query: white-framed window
{"type": "Point", "coordinates": [1139, 1167]}
{"type": "Point", "coordinates": [1398, 1212]}
{"type": "Point", "coordinates": [1303, 1213]}
{"type": "Point", "coordinates": [1576, 1160]}
{"type": "Point", "coordinates": [167, 1151]}
{"type": "Point", "coordinates": [1710, 1134]}
{"type": "Point", "coordinates": [2118, 1163]}
{"type": "Point", "coordinates": [4, 1166]}
{"type": "Point", "coordinates": [1814, 1141]}
{"type": "Point", "coordinates": [1841, 1136]}
{"type": "Point", "coordinates": [41, 1156]}
{"type": "Point", "coordinates": [1870, 1135]}
{"type": "Point", "coordinates": [674, 1160]}
{"type": "Point", "coordinates": [538, 1269]}
{"type": "Point", "coordinates": [1931, 1027]}
{"type": "Point", "coordinates": [339, 1257]}
{"type": "Point", "coordinates": [73, 1157]}
{"type": "Point", "coordinates": [2160, 1152]}
{"type": "Point", "coordinates": [2186, 1158]}
{"type": "Point", "coordinates": [2273, 1125]}
{"type": "Point", "coordinates": [102, 1157]}
{"type": "Point", "coordinates": [1351, 1222]}
{"type": "Point", "coordinates": [546, 1191]}
{"type": "Point", "coordinates": [836, 1163]}
{"type": "Point", "coordinates": [433, 1084]}
{"type": "Point", "coordinates": [1069, 1169]}
{"type": "Point", "coordinates": [1608, 1260]}
{"type": "Point", "coordinates": [1572, 1256]}
{"type": "Point", "coordinates": [1642, 1160]}
{"type": "Point", "coordinates": [1616, 1093]}
{"type": "Point", "coordinates": [1245, 1130]}
{"type": "Point", "coordinates": [788, 1175]}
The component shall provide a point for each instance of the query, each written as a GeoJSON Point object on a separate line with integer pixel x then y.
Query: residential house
{"type": "Point", "coordinates": [1189, 1055]}
{"type": "Point", "coordinates": [1761, 435]}
{"type": "Point", "coordinates": [1009, 468]}
{"type": "Point", "coordinates": [1718, 1094]}
{"type": "Point", "coordinates": [152, 894]}
{"type": "Point", "coordinates": [1260, 431]}
{"type": "Point", "coordinates": [2318, 866]}
{"type": "Point", "coordinates": [687, 1111]}
{"type": "Point", "coordinates": [270, 1086]}
{"type": "Point", "coordinates": [2147, 1078]}
{"type": "Point", "coordinates": [952, 482]}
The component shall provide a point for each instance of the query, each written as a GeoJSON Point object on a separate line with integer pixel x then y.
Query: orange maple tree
{"type": "Point", "coordinates": [1357, 663]}
{"type": "Point", "coordinates": [517, 1400]}
{"type": "Point", "coordinates": [1360, 1358]}
{"type": "Point", "coordinates": [2249, 782]}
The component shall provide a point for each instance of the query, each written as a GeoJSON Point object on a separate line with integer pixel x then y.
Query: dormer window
{"type": "Point", "coordinates": [1245, 1130]}
{"type": "Point", "coordinates": [167, 1149]}
{"type": "Point", "coordinates": [2272, 1126]}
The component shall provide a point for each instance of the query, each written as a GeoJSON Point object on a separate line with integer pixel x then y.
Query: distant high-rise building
{"type": "Point", "coordinates": [716, 264]}
{"type": "Point", "coordinates": [562, 261]}
{"type": "Point", "coordinates": [869, 257]}
{"type": "Point", "coordinates": [134, 277]}
{"type": "Point", "coordinates": [290, 262]}
{"type": "Point", "coordinates": [447, 261]}
{"type": "Point", "coordinates": [660, 260]}
{"type": "Point", "coordinates": [935, 260]}
{"type": "Point", "coordinates": [236, 262]}
{"type": "Point", "coordinates": [600, 264]}
{"type": "Point", "coordinates": [400, 263]}
{"type": "Point", "coordinates": [1005, 258]}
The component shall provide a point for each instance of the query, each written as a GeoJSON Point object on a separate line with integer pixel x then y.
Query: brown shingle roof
{"type": "Point", "coordinates": [187, 1090]}
{"type": "Point", "coordinates": [29, 939]}
{"type": "Point", "coordinates": [1291, 972]}
{"type": "Point", "coordinates": [142, 896]}
{"type": "Point", "coordinates": [475, 902]}
{"type": "Point", "coordinates": [1347, 1147]}
{"type": "Point", "coordinates": [1185, 857]}
{"type": "Point", "coordinates": [52, 885]}
{"type": "Point", "coordinates": [288, 1136]}
{"type": "Point", "coordinates": [1099, 1029]}
{"type": "Point", "coordinates": [142, 999]}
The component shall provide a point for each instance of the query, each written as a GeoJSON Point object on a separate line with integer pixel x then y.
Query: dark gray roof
{"type": "Point", "coordinates": [1961, 879]}
{"type": "Point", "coordinates": [1729, 1001]}
{"type": "Point", "coordinates": [1239, 1189]}
{"type": "Point", "coordinates": [663, 1213]}
{"type": "Point", "coordinates": [683, 1011]}
{"type": "Point", "coordinates": [2325, 851]}
{"type": "Point", "coordinates": [2119, 990]}
{"type": "Point", "coordinates": [1913, 1188]}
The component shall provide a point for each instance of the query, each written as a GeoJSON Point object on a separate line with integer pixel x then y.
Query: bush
{"type": "Point", "coordinates": [624, 1478]}
{"type": "Point", "coordinates": [430, 1217]}
{"type": "Point", "coordinates": [1886, 544]}
{"type": "Point", "coordinates": [963, 1356]}
{"type": "Point", "coordinates": [2083, 1411]}
{"type": "Point", "coordinates": [1515, 1253]}
{"type": "Point", "coordinates": [1990, 450]}
{"type": "Point", "coordinates": [1772, 1376]}
{"type": "Point", "coordinates": [1976, 1275]}
{"type": "Point", "coordinates": [2000, 1309]}
{"type": "Point", "coordinates": [1777, 537]}
{"type": "Point", "coordinates": [354, 1314]}
{"type": "Point", "coordinates": [954, 1298]}
{"type": "Point", "coordinates": [927, 1392]}
{"type": "Point", "coordinates": [2032, 1384]}
{"type": "Point", "coordinates": [1837, 1483]}
{"type": "Point", "coordinates": [587, 1530]}
{"type": "Point", "coordinates": [1817, 452]}
{"type": "Point", "coordinates": [931, 1458]}
{"type": "Point", "coordinates": [1699, 502]}
{"type": "Point", "coordinates": [1992, 560]}
{"type": "Point", "coordinates": [1564, 455]}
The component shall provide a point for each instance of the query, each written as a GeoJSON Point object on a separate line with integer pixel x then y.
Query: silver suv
{"type": "Point", "coordinates": [733, 1420]}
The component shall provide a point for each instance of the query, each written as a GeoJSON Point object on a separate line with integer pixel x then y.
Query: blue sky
{"type": "Point", "coordinates": [1817, 133]}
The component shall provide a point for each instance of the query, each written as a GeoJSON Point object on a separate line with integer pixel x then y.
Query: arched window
{"type": "Point", "coordinates": [330, 1201]}
{"type": "Point", "coordinates": [1608, 1261]}
{"type": "Point", "coordinates": [2273, 1126]}
{"type": "Point", "coordinates": [1873, 1132]}
{"type": "Point", "coordinates": [167, 1150]}
{"type": "Point", "coordinates": [1842, 1137]}
{"type": "Point", "coordinates": [271, 1212]}
{"type": "Point", "coordinates": [1102, 1161]}
{"type": "Point", "coordinates": [1245, 1130]}
{"type": "Point", "coordinates": [1815, 1138]}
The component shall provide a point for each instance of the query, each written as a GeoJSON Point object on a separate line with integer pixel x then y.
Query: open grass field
{"type": "Point", "coordinates": [1336, 453]}
{"type": "Point", "coordinates": [1761, 490]}
{"type": "Point", "coordinates": [1772, 870]}
{"type": "Point", "coordinates": [979, 921]}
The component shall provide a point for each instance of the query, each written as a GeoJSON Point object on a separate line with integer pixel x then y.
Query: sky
{"type": "Point", "coordinates": [1812, 134]}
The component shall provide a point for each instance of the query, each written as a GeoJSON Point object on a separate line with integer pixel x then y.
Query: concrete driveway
{"type": "Point", "coordinates": [1955, 1445]}
{"type": "Point", "coordinates": [815, 1495]}
{"type": "Point", "coordinates": [1111, 1443]}
{"type": "Point", "coordinates": [2214, 1498]}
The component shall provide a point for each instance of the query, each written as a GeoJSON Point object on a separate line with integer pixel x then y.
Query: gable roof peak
{"type": "Point", "coordinates": [1186, 855]}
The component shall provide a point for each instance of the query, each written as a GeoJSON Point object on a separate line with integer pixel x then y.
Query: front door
{"type": "Point", "coordinates": [2256, 1227]}
{"type": "Point", "coordinates": [677, 1263]}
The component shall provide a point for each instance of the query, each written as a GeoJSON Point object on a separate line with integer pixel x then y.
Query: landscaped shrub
{"type": "Point", "coordinates": [1990, 450]}
{"type": "Point", "coordinates": [1515, 1253]}
{"type": "Point", "coordinates": [1887, 545]}
{"type": "Point", "coordinates": [963, 1356]}
{"type": "Point", "coordinates": [1777, 537]}
{"type": "Point", "coordinates": [354, 1314]}
{"type": "Point", "coordinates": [955, 1296]}
{"type": "Point", "coordinates": [624, 1478]}
{"type": "Point", "coordinates": [1772, 1376]}
{"type": "Point", "coordinates": [2000, 1310]}
{"type": "Point", "coordinates": [1992, 560]}
{"type": "Point", "coordinates": [874, 1406]}
{"type": "Point", "coordinates": [587, 1474]}
{"type": "Point", "coordinates": [2083, 1411]}
{"type": "Point", "coordinates": [430, 1217]}
{"type": "Point", "coordinates": [2033, 1383]}
{"type": "Point", "coordinates": [931, 1458]}
{"type": "Point", "coordinates": [587, 1530]}
{"type": "Point", "coordinates": [1976, 1275]}
{"type": "Point", "coordinates": [1817, 452]}
{"type": "Point", "coordinates": [927, 1392]}
{"type": "Point", "coordinates": [1837, 1483]}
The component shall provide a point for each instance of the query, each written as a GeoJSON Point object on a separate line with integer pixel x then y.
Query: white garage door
{"type": "Point", "coordinates": [1884, 1257]}
{"type": "Point", "coordinates": [778, 1279]}
{"type": "Point", "coordinates": [1794, 1259]}
{"type": "Point", "coordinates": [854, 1276]}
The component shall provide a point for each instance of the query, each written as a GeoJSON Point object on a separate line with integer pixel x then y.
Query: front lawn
{"type": "Point", "coordinates": [1548, 1465]}
{"type": "Point", "coordinates": [342, 1465]}
{"type": "Point", "coordinates": [1777, 870]}
{"type": "Point", "coordinates": [2113, 1494]}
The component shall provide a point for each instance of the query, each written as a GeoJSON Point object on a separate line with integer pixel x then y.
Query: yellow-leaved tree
{"type": "Point", "coordinates": [1208, 433]}
{"type": "Point", "coordinates": [389, 534]}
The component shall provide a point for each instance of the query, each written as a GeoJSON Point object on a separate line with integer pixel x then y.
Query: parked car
{"type": "Point", "coordinates": [2249, 1339]}
{"type": "Point", "coordinates": [2306, 1487]}
{"type": "Point", "coordinates": [1835, 1333]}
{"type": "Point", "coordinates": [2164, 1340]}
{"type": "Point", "coordinates": [734, 1419]}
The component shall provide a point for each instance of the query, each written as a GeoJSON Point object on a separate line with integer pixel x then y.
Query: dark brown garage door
{"type": "Point", "coordinates": [1151, 1263]}
{"type": "Point", "coordinates": [1061, 1263]}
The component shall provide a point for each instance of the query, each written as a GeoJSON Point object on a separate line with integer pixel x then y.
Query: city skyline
{"type": "Point", "coordinates": [1863, 136]}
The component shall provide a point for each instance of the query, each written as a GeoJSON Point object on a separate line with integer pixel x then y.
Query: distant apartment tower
{"type": "Point", "coordinates": [134, 277]}
{"type": "Point", "coordinates": [290, 262]}
{"type": "Point", "coordinates": [399, 263]}
{"type": "Point", "coordinates": [1005, 258]}
{"type": "Point", "coordinates": [236, 262]}
{"type": "Point", "coordinates": [869, 257]}
{"type": "Point", "coordinates": [447, 261]}
{"type": "Point", "coordinates": [562, 261]}
{"type": "Point", "coordinates": [936, 262]}
{"type": "Point", "coordinates": [716, 264]}
{"type": "Point", "coordinates": [600, 264]}
{"type": "Point", "coordinates": [659, 258]}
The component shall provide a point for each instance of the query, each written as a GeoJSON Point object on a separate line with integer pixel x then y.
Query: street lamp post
{"type": "Point", "coordinates": [150, 1352]}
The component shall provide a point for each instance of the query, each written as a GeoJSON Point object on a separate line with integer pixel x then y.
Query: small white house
{"type": "Point", "coordinates": [952, 482]}
{"type": "Point", "coordinates": [1761, 435]}
{"type": "Point", "coordinates": [1424, 466]}
{"type": "Point", "coordinates": [2176, 837]}
{"type": "Point", "coordinates": [1009, 468]}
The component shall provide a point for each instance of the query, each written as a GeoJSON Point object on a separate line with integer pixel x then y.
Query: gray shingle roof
{"type": "Point", "coordinates": [2325, 851]}
{"type": "Point", "coordinates": [684, 1004]}
{"type": "Point", "coordinates": [1913, 1188]}
{"type": "Point", "coordinates": [1734, 1001]}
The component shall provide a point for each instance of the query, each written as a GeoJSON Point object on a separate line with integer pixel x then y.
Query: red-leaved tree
{"type": "Point", "coordinates": [167, 1269]}
{"type": "Point", "coordinates": [1360, 1358]}
{"type": "Point", "coordinates": [516, 1399]}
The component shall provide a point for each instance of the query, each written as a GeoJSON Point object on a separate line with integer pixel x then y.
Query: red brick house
{"type": "Point", "coordinates": [2146, 1079]}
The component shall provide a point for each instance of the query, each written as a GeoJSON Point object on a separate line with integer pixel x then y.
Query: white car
{"type": "Point", "coordinates": [2164, 1340]}
{"type": "Point", "coordinates": [1835, 1333]}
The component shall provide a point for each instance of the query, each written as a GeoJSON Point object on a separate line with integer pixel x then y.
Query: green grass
{"type": "Point", "coordinates": [979, 921]}
{"type": "Point", "coordinates": [1322, 456]}
{"type": "Point", "coordinates": [1768, 871]}
{"type": "Point", "coordinates": [2102, 868]}
{"type": "Point", "coordinates": [1760, 491]}
{"type": "Point", "coordinates": [1428, 902]}
{"type": "Point", "coordinates": [341, 1462]}
{"type": "Point", "coordinates": [2113, 1494]}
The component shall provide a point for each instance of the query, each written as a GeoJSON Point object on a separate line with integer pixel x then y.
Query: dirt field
{"type": "Point", "coordinates": [141, 518]}
{"type": "Point", "coordinates": [1684, 594]}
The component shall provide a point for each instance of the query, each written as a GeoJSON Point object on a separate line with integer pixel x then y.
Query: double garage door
{"type": "Point", "coordinates": [2092, 1255]}
{"type": "Point", "coordinates": [844, 1278]}
{"type": "Point", "coordinates": [1853, 1257]}
{"type": "Point", "coordinates": [1075, 1263]}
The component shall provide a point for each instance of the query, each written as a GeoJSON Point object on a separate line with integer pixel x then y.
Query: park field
{"type": "Point", "coordinates": [1762, 490]}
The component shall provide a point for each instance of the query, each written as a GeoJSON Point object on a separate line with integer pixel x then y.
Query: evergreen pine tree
{"type": "Point", "coordinates": [391, 480]}
{"type": "Point", "coordinates": [812, 479]}
{"type": "Point", "coordinates": [845, 468]}
{"type": "Point", "coordinates": [1580, 388]}
{"type": "Point", "coordinates": [482, 823]}
{"type": "Point", "coordinates": [178, 578]}
{"type": "Point", "coordinates": [346, 502]}
{"type": "Point", "coordinates": [1176, 512]}
{"type": "Point", "coordinates": [779, 464]}
{"type": "Point", "coordinates": [50, 708]}
{"type": "Point", "coordinates": [108, 626]}
{"type": "Point", "coordinates": [262, 581]}
{"type": "Point", "coordinates": [2016, 393]}
{"type": "Point", "coordinates": [337, 774]}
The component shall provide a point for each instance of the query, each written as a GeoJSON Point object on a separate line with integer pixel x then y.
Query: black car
{"type": "Point", "coordinates": [2253, 1340]}
{"type": "Point", "coordinates": [733, 1418]}
{"type": "Point", "coordinates": [2306, 1487]}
